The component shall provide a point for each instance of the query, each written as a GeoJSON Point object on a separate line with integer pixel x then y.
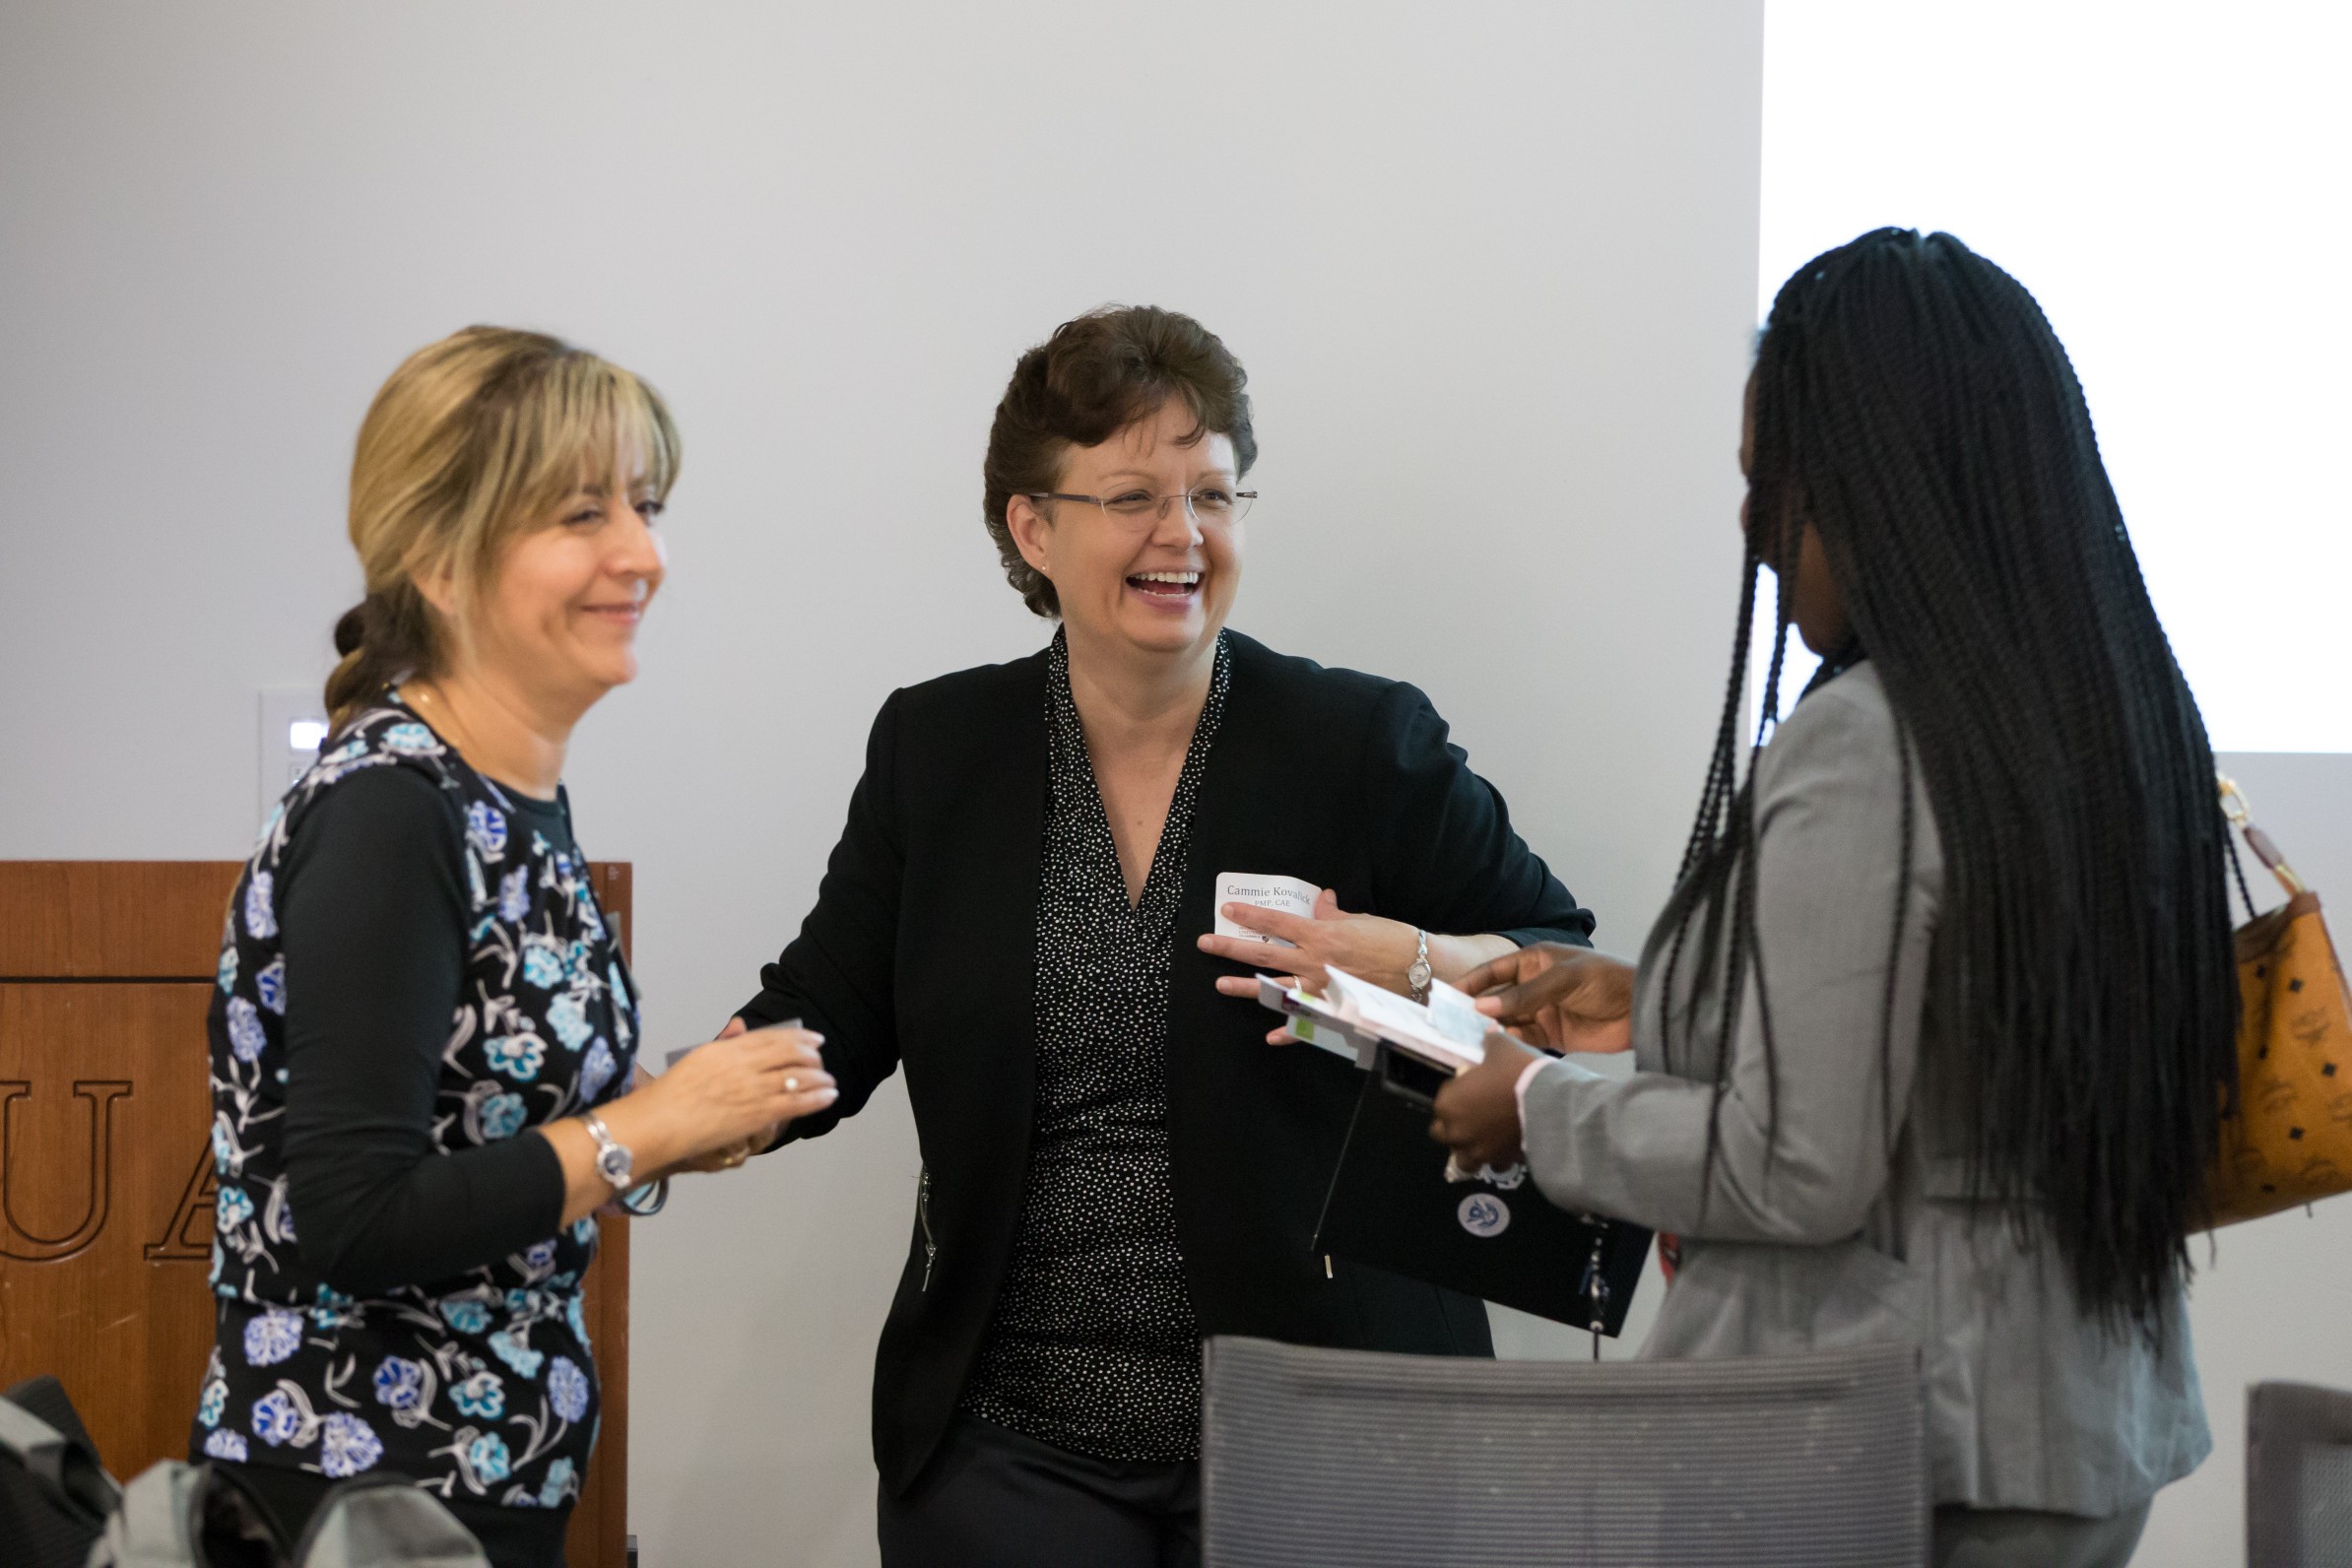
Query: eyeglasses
{"type": "Point", "coordinates": [1209, 503]}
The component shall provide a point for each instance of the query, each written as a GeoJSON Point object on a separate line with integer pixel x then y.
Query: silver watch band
{"type": "Point", "coordinates": [1420, 975]}
{"type": "Point", "coordinates": [614, 1161]}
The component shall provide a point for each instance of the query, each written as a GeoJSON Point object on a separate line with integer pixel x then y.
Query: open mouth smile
{"type": "Point", "coordinates": [1172, 587]}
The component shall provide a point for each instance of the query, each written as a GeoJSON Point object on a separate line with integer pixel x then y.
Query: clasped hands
{"type": "Point", "coordinates": [730, 1098]}
{"type": "Point", "coordinates": [1563, 997]}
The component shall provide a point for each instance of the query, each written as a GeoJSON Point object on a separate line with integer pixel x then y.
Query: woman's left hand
{"type": "Point", "coordinates": [1365, 945]}
{"type": "Point", "coordinates": [1477, 1113]}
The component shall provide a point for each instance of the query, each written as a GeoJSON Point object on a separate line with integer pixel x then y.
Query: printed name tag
{"type": "Point", "coordinates": [1285, 893]}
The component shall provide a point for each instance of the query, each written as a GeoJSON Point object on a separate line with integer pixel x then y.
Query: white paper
{"type": "Point", "coordinates": [1400, 1020]}
{"type": "Point", "coordinates": [1285, 893]}
{"type": "Point", "coordinates": [1456, 1017]}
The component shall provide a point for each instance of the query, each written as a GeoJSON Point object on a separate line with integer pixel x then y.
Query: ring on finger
{"type": "Point", "coordinates": [792, 1085]}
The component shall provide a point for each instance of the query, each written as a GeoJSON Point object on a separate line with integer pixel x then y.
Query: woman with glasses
{"type": "Point", "coordinates": [1020, 913]}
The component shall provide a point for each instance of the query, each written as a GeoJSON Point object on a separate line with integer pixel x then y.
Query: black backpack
{"type": "Point", "coordinates": [54, 1494]}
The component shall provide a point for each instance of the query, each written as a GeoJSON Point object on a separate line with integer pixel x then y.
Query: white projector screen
{"type": "Point", "coordinates": [2173, 184]}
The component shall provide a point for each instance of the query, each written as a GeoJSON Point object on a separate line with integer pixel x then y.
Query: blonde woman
{"type": "Point", "coordinates": [423, 1027]}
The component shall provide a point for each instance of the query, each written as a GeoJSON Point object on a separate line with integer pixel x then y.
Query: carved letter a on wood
{"type": "Point", "coordinates": [189, 1237]}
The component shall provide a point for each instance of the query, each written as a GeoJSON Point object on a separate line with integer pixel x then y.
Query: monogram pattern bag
{"type": "Point", "coordinates": [2289, 1141]}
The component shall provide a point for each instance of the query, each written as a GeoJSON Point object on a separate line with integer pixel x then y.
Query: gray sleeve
{"type": "Point", "coordinates": [1828, 816]}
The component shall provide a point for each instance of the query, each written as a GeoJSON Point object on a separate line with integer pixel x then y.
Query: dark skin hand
{"type": "Point", "coordinates": [1568, 998]}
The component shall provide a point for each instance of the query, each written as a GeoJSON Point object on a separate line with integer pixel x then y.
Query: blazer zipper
{"type": "Point", "coordinates": [931, 1247]}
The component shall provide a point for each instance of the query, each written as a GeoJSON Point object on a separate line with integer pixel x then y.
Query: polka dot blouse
{"type": "Point", "coordinates": [1093, 1346]}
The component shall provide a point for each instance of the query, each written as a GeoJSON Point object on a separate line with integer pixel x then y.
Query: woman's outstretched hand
{"type": "Point", "coordinates": [1570, 999]}
{"type": "Point", "coordinates": [1365, 945]}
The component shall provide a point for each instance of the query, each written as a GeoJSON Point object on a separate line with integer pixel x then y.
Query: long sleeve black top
{"type": "Point", "coordinates": [373, 903]}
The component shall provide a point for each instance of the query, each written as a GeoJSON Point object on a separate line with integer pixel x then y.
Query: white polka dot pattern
{"type": "Point", "coordinates": [1093, 1346]}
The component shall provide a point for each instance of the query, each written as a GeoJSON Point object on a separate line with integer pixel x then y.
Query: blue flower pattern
{"type": "Point", "coordinates": [517, 1056]}
{"type": "Point", "coordinates": [544, 998]}
{"type": "Point", "coordinates": [481, 1396]}
{"type": "Point", "coordinates": [271, 982]}
{"type": "Point", "coordinates": [510, 1349]}
{"type": "Point", "coordinates": [488, 1457]}
{"type": "Point", "coordinates": [347, 1446]}
{"type": "Point", "coordinates": [399, 1383]}
{"type": "Point", "coordinates": [503, 1117]}
{"type": "Point", "coordinates": [231, 1208]}
{"type": "Point", "coordinates": [276, 1421]}
{"type": "Point", "coordinates": [272, 1338]}
{"type": "Point", "coordinates": [245, 1037]}
{"type": "Point", "coordinates": [597, 1070]}
{"type": "Point", "coordinates": [568, 1388]}
{"type": "Point", "coordinates": [567, 1015]}
{"type": "Point", "coordinates": [485, 829]}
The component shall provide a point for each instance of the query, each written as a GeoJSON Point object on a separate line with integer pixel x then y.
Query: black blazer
{"type": "Point", "coordinates": [921, 952]}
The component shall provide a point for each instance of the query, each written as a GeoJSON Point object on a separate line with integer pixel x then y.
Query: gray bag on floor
{"type": "Point", "coordinates": [54, 1496]}
{"type": "Point", "coordinates": [195, 1516]}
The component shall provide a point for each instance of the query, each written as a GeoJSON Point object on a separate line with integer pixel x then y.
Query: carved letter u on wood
{"type": "Point", "coordinates": [21, 1244]}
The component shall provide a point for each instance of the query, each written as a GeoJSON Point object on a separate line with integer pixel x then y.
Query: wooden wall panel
{"type": "Point", "coordinates": [112, 919]}
{"type": "Point", "coordinates": [107, 1206]}
{"type": "Point", "coordinates": [105, 1170]}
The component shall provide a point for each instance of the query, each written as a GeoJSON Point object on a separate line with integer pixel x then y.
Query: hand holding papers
{"type": "Point", "coordinates": [1414, 1048]}
{"type": "Point", "coordinates": [1282, 923]}
{"type": "Point", "coordinates": [1561, 998]}
{"type": "Point", "coordinates": [1286, 894]}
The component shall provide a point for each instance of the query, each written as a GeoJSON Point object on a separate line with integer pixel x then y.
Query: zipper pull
{"type": "Point", "coordinates": [931, 1247]}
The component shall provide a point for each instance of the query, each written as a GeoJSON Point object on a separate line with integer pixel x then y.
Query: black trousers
{"type": "Point", "coordinates": [991, 1498]}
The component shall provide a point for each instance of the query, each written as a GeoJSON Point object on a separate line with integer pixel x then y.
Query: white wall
{"type": "Point", "coordinates": [1492, 270]}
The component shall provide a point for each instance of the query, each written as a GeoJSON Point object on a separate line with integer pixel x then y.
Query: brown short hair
{"type": "Point", "coordinates": [1092, 378]}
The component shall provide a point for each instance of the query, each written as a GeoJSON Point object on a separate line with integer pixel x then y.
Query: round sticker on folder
{"type": "Point", "coordinates": [1482, 1215]}
{"type": "Point", "coordinates": [1285, 893]}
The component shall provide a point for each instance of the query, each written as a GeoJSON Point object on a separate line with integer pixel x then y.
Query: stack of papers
{"type": "Point", "coordinates": [1356, 1018]}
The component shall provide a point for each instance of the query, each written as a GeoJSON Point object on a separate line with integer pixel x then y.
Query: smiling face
{"type": "Point", "coordinates": [559, 615]}
{"type": "Point", "coordinates": [1161, 584]}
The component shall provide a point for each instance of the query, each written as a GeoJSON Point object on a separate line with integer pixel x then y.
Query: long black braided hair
{"type": "Point", "coordinates": [1912, 405]}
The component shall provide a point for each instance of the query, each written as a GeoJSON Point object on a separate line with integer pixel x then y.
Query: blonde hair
{"type": "Point", "coordinates": [473, 441]}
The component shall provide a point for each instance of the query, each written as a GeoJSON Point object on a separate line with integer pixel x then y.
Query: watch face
{"type": "Point", "coordinates": [613, 1164]}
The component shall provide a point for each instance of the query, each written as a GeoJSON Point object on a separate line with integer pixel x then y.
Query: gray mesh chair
{"type": "Point", "coordinates": [2298, 1477]}
{"type": "Point", "coordinates": [1372, 1460]}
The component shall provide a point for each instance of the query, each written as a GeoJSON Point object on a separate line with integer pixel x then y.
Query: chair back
{"type": "Point", "coordinates": [1357, 1458]}
{"type": "Point", "coordinates": [2298, 1477]}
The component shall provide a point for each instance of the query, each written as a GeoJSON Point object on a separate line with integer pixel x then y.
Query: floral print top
{"type": "Point", "coordinates": [482, 1386]}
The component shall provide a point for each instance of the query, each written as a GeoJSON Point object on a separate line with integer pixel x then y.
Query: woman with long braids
{"type": "Point", "coordinates": [1935, 1033]}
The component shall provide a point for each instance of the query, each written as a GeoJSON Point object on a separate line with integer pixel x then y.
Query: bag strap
{"type": "Point", "coordinates": [2235, 808]}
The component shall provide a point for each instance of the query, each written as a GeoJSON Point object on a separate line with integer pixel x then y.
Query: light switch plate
{"type": "Point", "coordinates": [294, 725]}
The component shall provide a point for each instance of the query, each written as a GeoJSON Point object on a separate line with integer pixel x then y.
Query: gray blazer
{"type": "Point", "coordinates": [1848, 1236]}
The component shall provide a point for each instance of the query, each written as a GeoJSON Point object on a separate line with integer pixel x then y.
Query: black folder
{"type": "Point", "coordinates": [1390, 1205]}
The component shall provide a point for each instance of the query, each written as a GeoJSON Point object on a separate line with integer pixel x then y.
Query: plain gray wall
{"type": "Point", "coordinates": [1491, 269]}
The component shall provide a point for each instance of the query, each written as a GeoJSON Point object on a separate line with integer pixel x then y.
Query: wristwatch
{"type": "Point", "coordinates": [614, 1163]}
{"type": "Point", "coordinates": [1417, 978]}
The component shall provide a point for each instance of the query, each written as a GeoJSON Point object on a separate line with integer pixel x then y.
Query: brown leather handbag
{"type": "Point", "coordinates": [2289, 1139]}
